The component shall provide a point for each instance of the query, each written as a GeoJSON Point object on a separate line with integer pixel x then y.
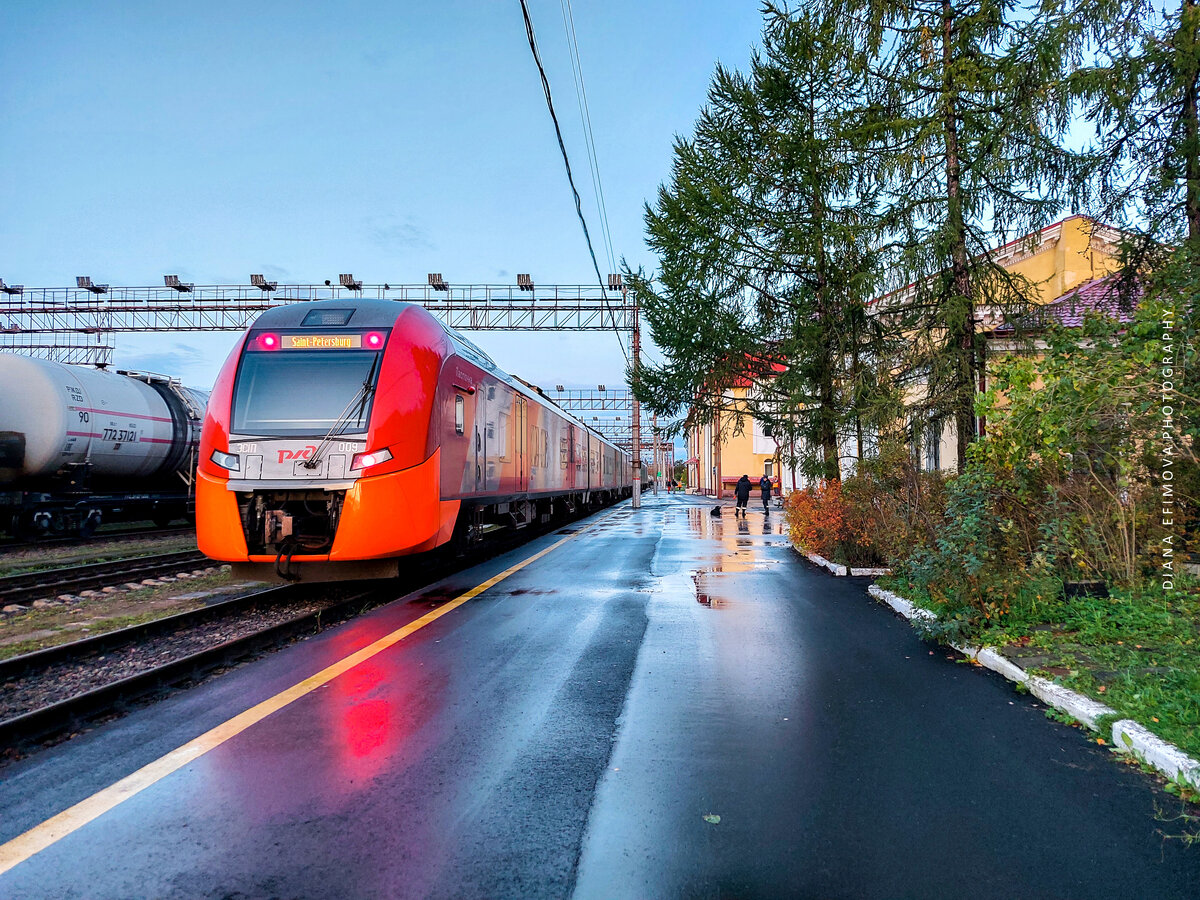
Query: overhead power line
{"type": "Point", "coordinates": [585, 118]}
{"type": "Point", "coordinates": [567, 163]}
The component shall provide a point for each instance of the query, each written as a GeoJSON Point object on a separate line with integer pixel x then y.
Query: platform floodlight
{"type": "Point", "coordinates": [437, 282]}
{"type": "Point", "coordinates": [600, 388]}
{"type": "Point", "coordinates": [172, 281]}
{"type": "Point", "coordinates": [85, 282]}
{"type": "Point", "coordinates": [616, 282]}
{"type": "Point", "coordinates": [262, 284]}
{"type": "Point", "coordinates": [559, 388]}
{"type": "Point", "coordinates": [11, 289]}
{"type": "Point", "coordinates": [347, 281]}
{"type": "Point", "coordinates": [524, 282]}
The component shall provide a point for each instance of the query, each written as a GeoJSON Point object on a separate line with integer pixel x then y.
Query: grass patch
{"type": "Point", "coordinates": [38, 559]}
{"type": "Point", "coordinates": [53, 625]}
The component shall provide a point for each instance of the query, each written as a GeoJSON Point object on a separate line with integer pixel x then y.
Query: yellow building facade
{"type": "Point", "coordinates": [1054, 261]}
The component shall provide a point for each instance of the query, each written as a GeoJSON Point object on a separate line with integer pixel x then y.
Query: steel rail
{"type": "Point", "coordinates": [94, 575]}
{"type": "Point", "coordinates": [48, 721]}
{"type": "Point", "coordinates": [8, 546]}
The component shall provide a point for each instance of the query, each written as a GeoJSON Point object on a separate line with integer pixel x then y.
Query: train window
{"type": "Point", "coordinates": [459, 414]}
{"type": "Point", "coordinates": [304, 392]}
{"type": "Point", "coordinates": [502, 431]}
{"type": "Point", "coordinates": [563, 453]}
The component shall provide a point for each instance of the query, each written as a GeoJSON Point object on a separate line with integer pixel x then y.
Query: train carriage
{"type": "Point", "coordinates": [344, 436]}
{"type": "Point", "coordinates": [80, 446]}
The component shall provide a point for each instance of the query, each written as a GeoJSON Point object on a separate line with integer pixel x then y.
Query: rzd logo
{"type": "Point", "coordinates": [306, 453]}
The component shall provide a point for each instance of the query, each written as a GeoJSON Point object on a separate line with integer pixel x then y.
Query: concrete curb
{"type": "Point", "coordinates": [1127, 735]}
{"type": "Point", "coordinates": [838, 569]}
{"type": "Point", "coordinates": [824, 563]}
{"type": "Point", "coordinates": [873, 573]}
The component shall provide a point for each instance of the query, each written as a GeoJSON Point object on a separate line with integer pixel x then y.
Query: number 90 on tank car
{"type": "Point", "coordinates": [344, 436]}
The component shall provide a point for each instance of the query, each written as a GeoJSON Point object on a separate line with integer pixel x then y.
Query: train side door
{"type": "Point", "coordinates": [572, 480]}
{"type": "Point", "coordinates": [522, 434]}
{"type": "Point", "coordinates": [480, 455]}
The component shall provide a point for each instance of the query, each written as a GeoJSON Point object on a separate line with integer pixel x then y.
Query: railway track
{"type": "Point", "coordinates": [73, 579]}
{"type": "Point", "coordinates": [10, 546]}
{"type": "Point", "coordinates": [97, 675]}
{"type": "Point", "coordinates": [101, 675]}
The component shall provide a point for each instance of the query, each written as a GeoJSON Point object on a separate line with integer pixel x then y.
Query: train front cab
{"type": "Point", "coordinates": [299, 477]}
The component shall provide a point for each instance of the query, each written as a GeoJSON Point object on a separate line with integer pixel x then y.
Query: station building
{"type": "Point", "coordinates": [1067, 265]}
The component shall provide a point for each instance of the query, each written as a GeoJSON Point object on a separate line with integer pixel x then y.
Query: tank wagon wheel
{"type": "Point", "coordinates": [90, 524]}
{"type": "Point", "coordinates": [30, 525]}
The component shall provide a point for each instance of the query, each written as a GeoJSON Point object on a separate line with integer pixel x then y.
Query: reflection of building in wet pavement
{"type": "Point", "coordinates": [755, 543]}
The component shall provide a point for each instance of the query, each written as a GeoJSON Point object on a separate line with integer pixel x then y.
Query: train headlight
{"type": "Point", "coordinates": [228, 461]}
{"type": "Point", "coordinates": [365, 460]}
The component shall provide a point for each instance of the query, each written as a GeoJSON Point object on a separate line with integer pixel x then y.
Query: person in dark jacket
{"type": "Point", "coordinates": [742, 491]}
{"type": "Point", "coordinates": [764, 485]}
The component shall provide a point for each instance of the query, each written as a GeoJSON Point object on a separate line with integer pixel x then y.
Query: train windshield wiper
{"type": "Point", "coordinates": [361, 397]}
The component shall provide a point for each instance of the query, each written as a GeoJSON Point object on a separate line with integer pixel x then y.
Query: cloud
{"type": "Point", "coordinates": [173, 362]}
{"type": "Point", "coordinates": [392, 233]}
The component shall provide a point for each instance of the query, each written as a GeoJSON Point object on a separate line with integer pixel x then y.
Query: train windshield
{"type": "Point", "coordinates": [304, 393]}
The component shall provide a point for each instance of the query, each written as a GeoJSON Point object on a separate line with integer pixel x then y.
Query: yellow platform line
{"type": "Point", "coordinates": [70, 820]}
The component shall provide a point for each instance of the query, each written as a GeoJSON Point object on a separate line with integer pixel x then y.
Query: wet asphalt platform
{"type": "Point", "coordinates": [664, 705]}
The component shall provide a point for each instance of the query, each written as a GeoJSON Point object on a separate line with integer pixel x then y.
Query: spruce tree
{"type": "Point", "coordinates": [764, 241]}
{"type": "Point", "coordinates": [971, 105]}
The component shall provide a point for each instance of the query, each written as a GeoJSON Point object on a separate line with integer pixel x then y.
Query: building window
{"type": "Point", "coordinates": [933, 447]}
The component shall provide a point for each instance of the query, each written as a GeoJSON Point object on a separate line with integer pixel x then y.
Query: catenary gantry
{"type": "Point", "coordinates": [78, 324]}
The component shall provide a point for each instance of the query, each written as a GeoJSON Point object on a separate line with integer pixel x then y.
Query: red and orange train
{"type": "Point", "coordinates": [342, 437]}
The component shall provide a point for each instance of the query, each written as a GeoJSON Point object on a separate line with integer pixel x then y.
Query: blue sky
{"type": "Point", "coordinates": [302, 140]}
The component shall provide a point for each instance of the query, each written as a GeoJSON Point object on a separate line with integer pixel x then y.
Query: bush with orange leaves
{"type": "Point", "coordinates": [874, 518]}
{"type": "Point", "coordinates": [816, 518]}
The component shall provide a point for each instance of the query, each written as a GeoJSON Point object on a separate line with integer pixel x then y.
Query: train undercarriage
{"type": "Point", "coordinates": [292, 525]}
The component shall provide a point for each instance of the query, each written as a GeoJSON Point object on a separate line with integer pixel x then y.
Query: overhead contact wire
{"type": "Point", "coordinates": [590, 136]}
{"type": "Point", "coordinates": [567, 163]}
{"type": "Point", "coordinates": [581, 103]}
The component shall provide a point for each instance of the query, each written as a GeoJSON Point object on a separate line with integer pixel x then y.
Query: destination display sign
{"type": "Point", "coordinates": [321, 341]}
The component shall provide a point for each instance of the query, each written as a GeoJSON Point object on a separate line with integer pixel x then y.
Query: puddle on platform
{"type": "Point", "coordinates": [704, 597]}
{"type": "Point", "coordinates": [701, 521]}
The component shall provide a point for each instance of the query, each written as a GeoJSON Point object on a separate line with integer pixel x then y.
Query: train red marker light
{"type": "Point", "coordinates": [374, 340]}
{"type": "Point", "coordinates": [268, 342]}
{"type": "Point", "coordinates": [366, 460]}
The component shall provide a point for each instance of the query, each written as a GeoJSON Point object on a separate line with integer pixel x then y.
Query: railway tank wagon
{"type": "Point", "coordinates": [79, 445]}
{"type": "Point", "coordinates": [342, 436]}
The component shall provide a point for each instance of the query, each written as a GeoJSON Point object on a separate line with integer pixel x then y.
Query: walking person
{"type": "Point", "coordinates": [742, 491]}
{"type": "Point", "coordinates": [764, 485]}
